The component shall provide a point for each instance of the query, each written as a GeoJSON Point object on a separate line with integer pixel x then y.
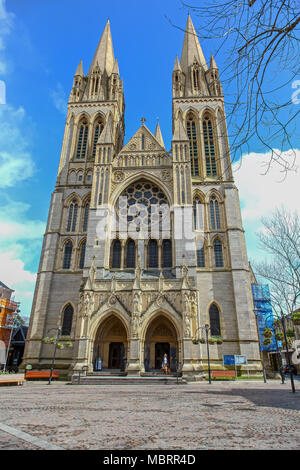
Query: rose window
{"type": "Point", "coordinates": [141, 204]}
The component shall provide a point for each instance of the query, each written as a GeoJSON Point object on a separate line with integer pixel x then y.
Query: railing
{"type": "Point", "coordinates": [83, 369]}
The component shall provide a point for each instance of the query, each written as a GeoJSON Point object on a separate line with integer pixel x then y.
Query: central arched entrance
{"type": "Point", "coordinates": [110, 344]}
{"type": "Point", "coordinates": [160, 339]}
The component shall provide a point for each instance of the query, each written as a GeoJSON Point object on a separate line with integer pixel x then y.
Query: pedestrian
{"type": "Point", "coordinates": [165, 364]}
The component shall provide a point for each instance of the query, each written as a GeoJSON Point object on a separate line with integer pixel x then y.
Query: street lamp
{"type": "Point", "coordinates": [206, 328]}
{"type": "Point", "coordinates": [58, 333]}
{"type": "Point", "coordinates": [10, 324]}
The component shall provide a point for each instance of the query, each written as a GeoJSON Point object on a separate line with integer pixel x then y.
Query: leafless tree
{"type": "Point", "coordinates": [280, 238]}
{"type": "Point", "coordinates": [259, 40]}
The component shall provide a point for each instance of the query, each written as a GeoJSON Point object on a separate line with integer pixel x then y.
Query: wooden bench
{"type": "Point", "coordinates": [223, 373]}
{"type": "Point", "coordinates": [40, 374]}
{"type": "Point", "coordinates": [12, 382]}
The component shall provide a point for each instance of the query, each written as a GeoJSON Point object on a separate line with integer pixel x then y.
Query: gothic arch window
{"type": "Point", "coordinates": [200, 254]}
{"type": "Point", "coordinates": [215, 221]}
{"type": "Point", "coordinates": [198, 214]}
{"type": "Point", "coordinates": [67, 320]}
{"type": "Point", "coordinates": [97, 131]}
{"type": "Point", "coordinates": [72, 216]}
{"type": "Point", "coordinates": [143, 207]}
{"type": "Point", "coordinates": [214, 319]}
{"type": "Point", "coordinates": [218, 251]}
{"type": "Point", "coordinates": [152, 254]}
{"type": "Point", "coordinates": [116, 254]}
{"type": "Point", "coordinates": [167, 254]}
{"type": "Point", "coordinates": [86, 216]}
{"type": "Point", "coordinates": [82, 139]}
{"type": "Point", "coordinates": [67, 255]}
{"type": "Point", "coordinates": [209, 146]}
{"type": "Point", "coordinates": [196, 80]}
{"type": "Point", "coordinates": [130, 254]}
{"type": "Point", "coordinates": [194, 144]}
{"type": "Point", "coordinates": [82, 255]}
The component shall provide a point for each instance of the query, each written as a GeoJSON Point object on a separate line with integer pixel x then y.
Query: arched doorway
{"type": "Point", "coordinates": [110, 344]}
{"type": "Point", "coordinates": [161, 338]}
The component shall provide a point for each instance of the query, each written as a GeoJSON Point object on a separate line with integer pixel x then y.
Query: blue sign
{"type": "Point", "coordinates": [228, 360]}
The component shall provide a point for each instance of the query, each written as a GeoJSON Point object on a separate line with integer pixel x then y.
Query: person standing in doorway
{"type": "Point", "coordinates": [165, 364]}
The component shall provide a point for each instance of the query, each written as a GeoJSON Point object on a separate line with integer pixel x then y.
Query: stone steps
{"type": "Point", "coordinates": [125, 380]}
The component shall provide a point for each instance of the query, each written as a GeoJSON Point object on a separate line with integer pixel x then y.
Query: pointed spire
{"type": "Point", "coordinates": [79, 70]}
{"type": "Point", "coordinates": [104, 54]}
{"type": "Point", "coordinates": [191, 49]}
{"type": "Point", "coordinates": [212, 64]}
{"type": "Point", "coordinates": [158, 135]}
{"type": "Point", "coordinates": [177, 66]}
{"type": "Point", "coordinates": [116, 68]}
{"type": "Point", "coordinates": [180, 134]}
{"type": "Point", "coordinates": [106, 136]}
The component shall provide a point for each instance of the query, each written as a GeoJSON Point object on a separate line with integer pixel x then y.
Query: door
{"type": "Point", "coordinates": [160, 350]}
{"type": "Point", "coordinates": [115, 355]}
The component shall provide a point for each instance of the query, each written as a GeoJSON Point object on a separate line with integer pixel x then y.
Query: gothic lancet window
{"type": "Point", "coordinates": [82, 255]}
{"type": "Point", "coordinates": [214, 318]}
{"type": "Point", "coordinates": [198, 214]}
{"type": "Point", "coordinates": [67, 320]}
{"type": "Point", "coordinates": [72, 217]}
{"type": "Point", "coordinates": [167, 254]}
{"type": "Point", "coordinates": [215, 222]}
{"type": "Point", "coordinates": [97, 131]}
{"type": "Point", "coordinates": [130, 254]}
{"type": "Point", "coordinates": [67, 255]}
{"type": "Point", "coordinates": [153, 254]}
{"type": "Point", "coordinates": [200, 254]}
{"type": "Point", "coordinates": [82, 140]}
{"type": "Point", "coordinates": [86, 217]}
{"type": "Point", "coordinates": [116, 254]}
{"type": "Point", "coordinates": [194, 144]}
{"type": "Point", "coordinates": [209, 147]}
{"type": "Point", "coordinates": [218, 250]}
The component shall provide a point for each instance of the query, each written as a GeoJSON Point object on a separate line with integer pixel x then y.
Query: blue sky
{"type": "Point", "coordinates": [41, 44]}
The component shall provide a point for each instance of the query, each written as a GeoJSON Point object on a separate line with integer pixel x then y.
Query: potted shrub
{"type": "Point", "coordinates": [212, 341]}
{"type": "Point", "coordinates": [267, 341]}
{"type": "Point", "coordinates": [219, 341]}
{"type": "Point", "coordinates": [195, 341]}
{"type": "Point", "coordinates": [279, 336]}
{"type": "Point", "coordinates": [202, 341]}
{"type": "Point", "coordinates": [268, 333]}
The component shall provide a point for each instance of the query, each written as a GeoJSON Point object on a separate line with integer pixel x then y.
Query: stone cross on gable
{"type": "Point", "coordinates": [143, 120]}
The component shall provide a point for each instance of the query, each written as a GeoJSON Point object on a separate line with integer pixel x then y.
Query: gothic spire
{"type": "Point", "coordinates": [104, 54]}
{"type": "Point", "coordinates": [158, 135]}
{"type": "Point", "coordinates": [79, 70]}
{"type": "Point", "coordinates": [177, 65]}
{"type": "Point", "coordinates": [212, 64]}
{"type": "Point", "coordinates": [191, 49]}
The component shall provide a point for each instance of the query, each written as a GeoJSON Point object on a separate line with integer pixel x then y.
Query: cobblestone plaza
{"type": "Point", "coordinates": [237, 415]}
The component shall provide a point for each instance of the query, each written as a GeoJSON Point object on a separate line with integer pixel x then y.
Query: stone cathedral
{"type": "Point", "coordinates": [144, 246]}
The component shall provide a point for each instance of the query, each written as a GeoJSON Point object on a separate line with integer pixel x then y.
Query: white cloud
{"type": "Point", "coordinates": [260, 193]}
{"type": "Point", "coordinates": [60, 99]}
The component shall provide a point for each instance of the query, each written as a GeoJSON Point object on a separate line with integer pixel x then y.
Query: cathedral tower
{"type": "Point", "coordinates": [144, 247]}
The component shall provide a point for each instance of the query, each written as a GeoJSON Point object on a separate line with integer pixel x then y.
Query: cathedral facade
{"type": "Point", "coordinates": [144, 248]}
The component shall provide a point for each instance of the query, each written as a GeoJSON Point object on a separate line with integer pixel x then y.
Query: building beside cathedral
{"type": "Point", "coordinates": [143, 247]}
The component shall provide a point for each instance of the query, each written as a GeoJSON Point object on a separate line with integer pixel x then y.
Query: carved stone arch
{"type": "Point", "coordinates": [67, 240]}
{"type": "Point", "coordinates": [99, 318]}
{"type": "Point", "coordinates": [198, 193]}
{"type": "Point", "coordinates": [142, 175]}
{"type": "Point", "coordinates": [193, 111]}
{"type": "Point", "coordinates": [207, 110]}
{"type": "Point", "coordinates": [173, 317]}
{"type": "Point", "coordinates": [70, 198]}
{"type": "Point", "coordinates": [216, 193]}
{"type": "Point", "coordinates": [81, 117]}
{"type": "Point", "coordinates": [86, 198]}
{"type": "Point", "coordinates": [96, 116]}
{"type": "Point", "coordinates": [69, 302]}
